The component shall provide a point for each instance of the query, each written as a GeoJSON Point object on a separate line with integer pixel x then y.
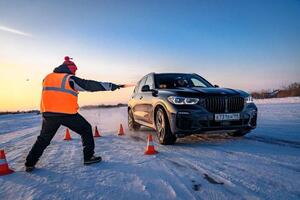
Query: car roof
{"type": "Point", "coordinates": [172, 73]}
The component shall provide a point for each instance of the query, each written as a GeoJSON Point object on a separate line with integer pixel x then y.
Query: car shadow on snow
{"type": "Point", "coordinates": [205, 138]}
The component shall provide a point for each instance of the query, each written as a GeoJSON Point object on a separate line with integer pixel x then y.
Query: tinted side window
{"type": "Point", "coordinates": [136, 88]}
{"type": "Point", "coordinates": [150, 82]}
{"type": "Point", "coordinates": [142, 83]}
{"type": "Point", "coordinates": [197, 83]}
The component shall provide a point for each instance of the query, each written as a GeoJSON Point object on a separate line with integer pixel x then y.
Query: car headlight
{"type": "Point", "coordinates": [183, 100]}
{"type": "Point", "coordinates": [249, 99]}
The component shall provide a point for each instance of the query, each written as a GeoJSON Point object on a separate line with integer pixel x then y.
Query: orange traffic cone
{"type": "Point", "coordinates": [150, 146]}
{"type": "Point", "coordinates": [4, 169]}
{"type": "Point", "coordinates": [97, 134]}
{"type": "Point", "coordinates": [121, 130]}
{"type": "Point", "coordinates": [67, 135]}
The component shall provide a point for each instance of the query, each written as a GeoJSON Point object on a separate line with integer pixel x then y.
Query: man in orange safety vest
{"type": "Point", "coordinates": [59, 106]}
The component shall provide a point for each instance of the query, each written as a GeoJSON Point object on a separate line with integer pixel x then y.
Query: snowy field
{"type": "Point", "coordinates": [263, 165]}
{"type": "Point", "coordinates": [278, 100]}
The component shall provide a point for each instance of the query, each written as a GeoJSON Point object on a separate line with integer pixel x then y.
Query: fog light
{"type": "Point", "coordinates": [246, 116]}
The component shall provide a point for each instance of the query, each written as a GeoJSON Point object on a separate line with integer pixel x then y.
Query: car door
{"type": "Point", "coordinates": [137, 106]}
{"type": "Point", "coordinates": [147, 100]}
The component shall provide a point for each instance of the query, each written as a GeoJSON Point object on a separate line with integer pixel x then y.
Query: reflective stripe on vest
{"type": "Point", "coordinates": [62, 88]}
{"type": "Point", "coordinates": [58, 96]}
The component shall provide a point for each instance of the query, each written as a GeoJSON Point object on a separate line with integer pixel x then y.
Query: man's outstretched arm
{"type": "Point", "coordinates": [91, 85]}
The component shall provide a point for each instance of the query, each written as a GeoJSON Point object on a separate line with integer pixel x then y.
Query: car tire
{"type": "Point", "coordinates": [163, 130]}
{"type": "Point", "coordinates": [132, 125]}
{"type": "Point", "coordinates": [239, 133]}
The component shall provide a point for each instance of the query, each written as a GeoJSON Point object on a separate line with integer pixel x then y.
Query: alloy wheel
{"type": "Point", "coordinates": [160, 124]}
{"type": "Point", "coordinates": [130, 119]}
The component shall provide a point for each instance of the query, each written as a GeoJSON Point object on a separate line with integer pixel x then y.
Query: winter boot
{"type": "Point", "coordinates": [93, 159]}
{"type": "Point", "coordinates": [29, 168]}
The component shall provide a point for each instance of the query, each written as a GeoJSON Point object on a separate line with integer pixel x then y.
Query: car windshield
{"type": "Point", "coordinates": [169, 81]}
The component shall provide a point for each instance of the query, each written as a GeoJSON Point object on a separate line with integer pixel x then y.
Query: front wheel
{"type": "Point", "coordinates": [239, 133]}
{"type": "Point", "coordinates": [163, 129]}
{"type": "Point", "coordinates": [132, 125]}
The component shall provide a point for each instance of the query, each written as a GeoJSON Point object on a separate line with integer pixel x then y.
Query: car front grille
{"type": "Point", "coordinates": [224, 104]}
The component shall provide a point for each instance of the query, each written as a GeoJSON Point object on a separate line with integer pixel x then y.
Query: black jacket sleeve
{"type": "Point", "coordinates": [91, 85]}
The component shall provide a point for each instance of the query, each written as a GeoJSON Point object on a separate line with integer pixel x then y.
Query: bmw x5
{"type": "Point", "coordinates": [180, 104]}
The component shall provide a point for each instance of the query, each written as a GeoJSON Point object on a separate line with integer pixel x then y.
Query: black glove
{"type": "Point", "coordinates": [114, 87]}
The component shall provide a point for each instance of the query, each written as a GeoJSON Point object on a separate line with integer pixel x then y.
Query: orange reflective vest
{"type": "Point", "coordinates": [57, 95]}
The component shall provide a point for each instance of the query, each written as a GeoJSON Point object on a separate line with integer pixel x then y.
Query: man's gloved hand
{"type": "Point", "coordinates": [114, 87]}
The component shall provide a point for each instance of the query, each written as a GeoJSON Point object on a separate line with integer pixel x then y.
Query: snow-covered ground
{"type": "Point", "coordinates": [263, 165]}
{"type": "Point", "coordinates": [284, 100]}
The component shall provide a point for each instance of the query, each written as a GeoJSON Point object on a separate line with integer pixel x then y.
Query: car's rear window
{"type": "Point", "coordinates": [169, 81]}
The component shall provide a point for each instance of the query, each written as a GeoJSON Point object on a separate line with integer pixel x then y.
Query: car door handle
{"type": "Point", "coordinates": [141, 97]}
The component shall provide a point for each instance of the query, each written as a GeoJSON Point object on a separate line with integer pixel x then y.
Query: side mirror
{"type": "Point", "coordinates": [146, 88]}
{"type": "Point", "coordinates": [216, 86]}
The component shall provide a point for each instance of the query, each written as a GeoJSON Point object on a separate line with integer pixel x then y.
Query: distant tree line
{"type": "Point", "coordinates": [291, 90]}
{"type": "Point", "coordinates": [82, 107]}
{"type": "Point", "coordinates": [103, 106]}
{"type": "Point", "coordinates": [20, 112]}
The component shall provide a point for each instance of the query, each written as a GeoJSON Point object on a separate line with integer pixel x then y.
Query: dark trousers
{"type": "Point", "coordinates": [49, 127]}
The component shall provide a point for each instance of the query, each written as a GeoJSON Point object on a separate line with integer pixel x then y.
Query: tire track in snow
{"type": "Point", "coordinates": [264, 159]}
{"type": "Point", "coordinates": [183, 183]}
{"type": "Point", "coordinates": [205, 174]}
{"type": "Point", "coordinates": [18, 136]}
{"type": "Point", "coordinates": [17, 150]}
{"type": "Point", "coordinates": [243, 179]}
{"type": "Point", "coordinates": [60, 166]}
{"type": "Point", "coordinates": [205, 187]}
{"type": "Point", "coordinates": [211, 174]}
{"type": "Point", "coordinates": [137, 136]}
{"type": "Point", "coordinates": [182, 191]}
{"type": "Point", "coordinates": [247, 185]}
{"type": "Point", "coordinates": [275, 141]}
{"type": "Point", "coordinates": [18, 145]}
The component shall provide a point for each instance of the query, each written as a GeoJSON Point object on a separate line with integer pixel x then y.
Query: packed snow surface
{"type": "Point", "coordinates": [265, 164]}
{"type": "Point", "coordinates": [278, 100]}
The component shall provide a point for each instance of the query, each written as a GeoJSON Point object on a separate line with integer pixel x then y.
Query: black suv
{"type": "Point", "coordinates": [180, 104]}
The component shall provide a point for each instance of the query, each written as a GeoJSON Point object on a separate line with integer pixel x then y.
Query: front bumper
{"type": "Point", "coordinates": [191, 121]}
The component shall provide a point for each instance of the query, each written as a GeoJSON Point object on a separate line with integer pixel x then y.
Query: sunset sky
{"type": "Point", "coordinates": [250, 45]}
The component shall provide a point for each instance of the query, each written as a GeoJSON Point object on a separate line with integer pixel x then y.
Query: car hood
{"type": "Point", "coordinates": [197, 91]}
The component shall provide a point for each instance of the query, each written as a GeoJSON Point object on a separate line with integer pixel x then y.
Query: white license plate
{"type": "Point", "coordinates": [227, 116]}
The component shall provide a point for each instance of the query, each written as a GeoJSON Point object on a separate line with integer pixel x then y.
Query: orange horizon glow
{"type": "Point", "coordinates": [21, 89]}
{"type": "Point", "coordinates": [239, 45]}
{"type": "Point", "coordinates": [21, 84]}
